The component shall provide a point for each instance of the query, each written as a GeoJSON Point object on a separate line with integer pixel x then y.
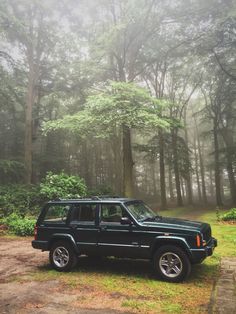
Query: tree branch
{"type": "Point", "coordinates": [223, 68]}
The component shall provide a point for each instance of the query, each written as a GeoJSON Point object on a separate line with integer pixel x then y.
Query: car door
{"type": "Point", "coordinates": [116, 239]}
{"type": "Point", "coordinates": [53, 220]}
{"type": "Point", "coordinates": [84, 225]}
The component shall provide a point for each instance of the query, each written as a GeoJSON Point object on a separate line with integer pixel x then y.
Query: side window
{"type": "Point", "coordinates": [57, 213]}
{"type": "Point", "coordinates": [83, 212]}
{"type": "Point", "coordinates": [112, 213]}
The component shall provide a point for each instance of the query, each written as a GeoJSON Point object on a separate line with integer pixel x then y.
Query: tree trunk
{"type": "Point", "coordinates": [222, 190]}
{"type": "Point", "coordinates": [232, 183]}
{"type": "Point", "coordinates": [162, 171]}
{"type": "Point", "coordinates": [153, 176]}
{"type": "Point", "coordinates": [28, 122]}
{"type": "Point", "coordinates": [197, 172]}
{"type": "Point", "coordinates": [202, 172]}
{"type": "Point", "coordinates": [217, 166]}
{"type": "Point", "coordinates": [86, 162]}
{"type": "Point", "coordinates": [182, 188]}
{"type": "Point", "coordinates": [201, 164]}
{"type": "Point", "coordinates": [116, 148]}
{"type": "Point", "coordinates": [33, 54]}
{"type": "Point", "coordinates": [176, 169]}
{"type": "Point", "coordinates": [211, 185]}
{"type": "Point", "coordinates": [127, 163]}
{"type": "Point", "coordinates": [189, 190]}
{"type": "Point", "coordinates": [228, 140]}
{"type": "Point", "coordinates": [171, 185]}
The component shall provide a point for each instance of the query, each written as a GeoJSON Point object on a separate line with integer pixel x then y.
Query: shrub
{"type": "Point", "coordinates": [62, 186]}
{"type": "Point", "coordinates": [230, 215]}
{"type": "Point", "coordinates": [20, 199]}
{"type": "Point", "coordinates": [18, 225]}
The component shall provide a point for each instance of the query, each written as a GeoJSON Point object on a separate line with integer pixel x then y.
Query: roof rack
{"type": "Point", "coordinates": [99, 197]}
{"type": "Point", "coordinates": [92, 197]}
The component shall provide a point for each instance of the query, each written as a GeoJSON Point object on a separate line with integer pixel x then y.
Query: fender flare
{"type": "Point", "coordinates": [170, 240]}
{"type": "Point", "coordinates": [63, 236]}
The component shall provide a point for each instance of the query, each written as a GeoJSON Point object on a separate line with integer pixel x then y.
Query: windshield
{"type": "Point", "coordinates": [141, 211]}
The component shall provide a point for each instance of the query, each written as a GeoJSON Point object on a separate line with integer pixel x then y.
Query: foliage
{"type": "Point", "coordinates": [230, 215]}
{"type": "Point", "coordinates": [120, 104]}
{"type": "Point", "coordinates": [152, 149]}
{"type": "Point", "coordinates": [18, 225]}
{"type": "Point", "coordinates": [11, 171]}
{"type": "Point", "coordinates": [19, 199]}
{"type": "Point", "coordinates": [177, 49]}
{"type": "Point", "coordinates": [62, 186]}
{"type": "Point", "coordinates": [23, 200]}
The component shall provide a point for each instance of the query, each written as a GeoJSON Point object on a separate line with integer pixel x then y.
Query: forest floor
{"type": "Point", "coordinates": [28, 284]}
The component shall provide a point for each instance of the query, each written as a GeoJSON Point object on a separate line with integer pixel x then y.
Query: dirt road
{"type": "Point", "coordinates": [21, 296]}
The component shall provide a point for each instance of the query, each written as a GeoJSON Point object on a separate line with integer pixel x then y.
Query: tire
{"type": "Point", "coordinates": [62, 256]}
{"type": "Point", "coordinates": [171, 263]}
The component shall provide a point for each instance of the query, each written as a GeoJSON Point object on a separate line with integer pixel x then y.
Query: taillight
{"type": "Point", "coordinates": [198, 239]}
{"type": "Point", "coordinates": [35, 232]}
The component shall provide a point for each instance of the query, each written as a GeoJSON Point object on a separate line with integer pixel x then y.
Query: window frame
{"type": "Point", "coordinates": [112, 222]}
{"type": "Point", "coordinates": [83, 222]}
{"type": "Point", "coordinates": [54, 223]}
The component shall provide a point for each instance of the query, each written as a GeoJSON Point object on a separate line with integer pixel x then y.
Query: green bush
{"type": "Point", "coordinates": [62, 186]}
{"type": "Point", "coordinates": [19, 199]}
{"type": "Point", "coordinates": [230, 215]}
{"type": "Point", "coordinates": [27, 200]}
{"type": "Point", "coordinates": [18, 225]}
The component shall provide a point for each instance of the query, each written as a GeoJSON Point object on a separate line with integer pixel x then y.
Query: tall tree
{"type": "Point", "coordinates": [122, 105]}
{"type": "Point", "coordinates": [31, 30]}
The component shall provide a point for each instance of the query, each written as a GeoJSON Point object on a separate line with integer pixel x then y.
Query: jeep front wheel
{"type": "Point", "coordinates": [62, 256]}
{"type": "Point", "coordinates": [171, 263]}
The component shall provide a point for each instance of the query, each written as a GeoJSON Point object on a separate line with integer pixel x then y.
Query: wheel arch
{"type": "Point", "coordinates": [175, 241]}
{"type": "Point", "coordinates": [63, 237]}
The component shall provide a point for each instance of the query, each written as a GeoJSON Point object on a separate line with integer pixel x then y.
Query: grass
{"type": "Point", "coordinates": [129, 285]}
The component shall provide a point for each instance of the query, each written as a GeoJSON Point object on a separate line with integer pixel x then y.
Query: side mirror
{"type": "Point", "coordinates": [125, 221]}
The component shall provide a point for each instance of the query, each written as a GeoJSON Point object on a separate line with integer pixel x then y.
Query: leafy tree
{"type": "Point", "coordinates": [121, 105]}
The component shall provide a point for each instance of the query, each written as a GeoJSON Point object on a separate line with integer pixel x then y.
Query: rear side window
{"type": "Point", "coordinates": [83, 212]}
{"type": "Point", "coordinates": [57, 213]}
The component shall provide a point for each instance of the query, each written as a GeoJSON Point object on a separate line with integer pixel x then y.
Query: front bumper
{"type": "Point", "coordinates": [198, 255]}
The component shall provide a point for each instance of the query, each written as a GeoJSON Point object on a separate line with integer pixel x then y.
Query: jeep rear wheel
{"type": "Point", "coordinates": [171, 263]}
{"type": "Point", "coordinates": [62, 256]}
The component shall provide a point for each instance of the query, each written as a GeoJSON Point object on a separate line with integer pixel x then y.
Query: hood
{"type": "Point", "coordinates": [176, 223]}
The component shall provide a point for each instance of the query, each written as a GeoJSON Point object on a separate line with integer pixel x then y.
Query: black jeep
{"type": "Point", "coordinates": [121, 227]}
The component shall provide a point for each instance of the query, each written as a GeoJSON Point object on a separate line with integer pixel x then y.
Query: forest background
{"type": "Point", "coordinates": [122, 97]}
